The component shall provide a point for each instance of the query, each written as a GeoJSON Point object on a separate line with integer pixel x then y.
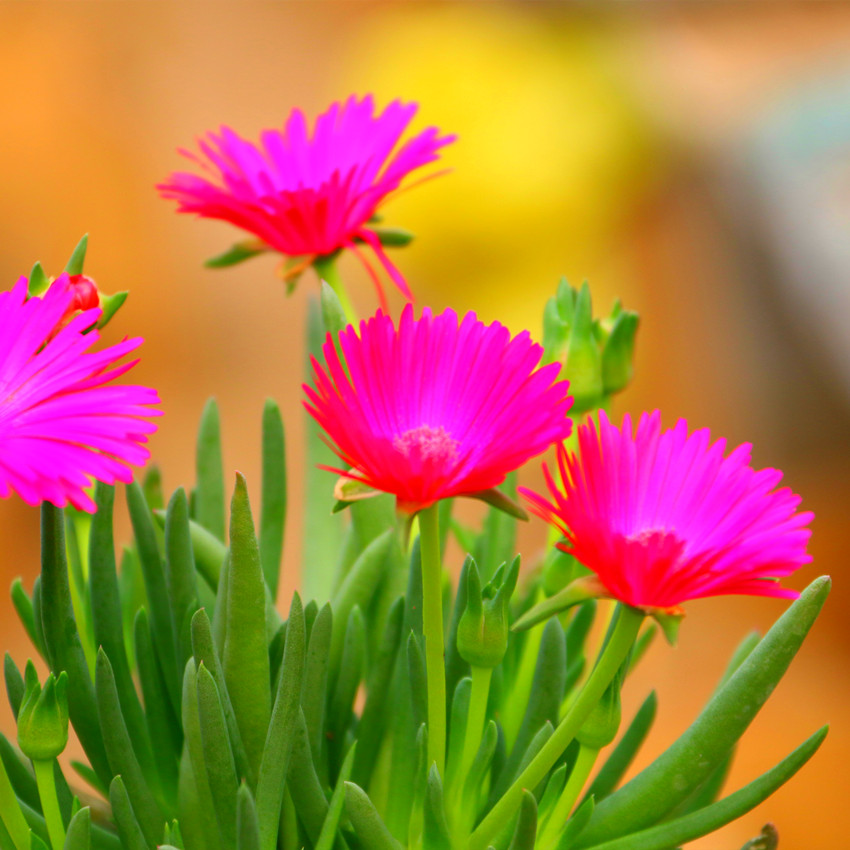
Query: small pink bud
{"type": "Point", "coordinates": [86, 296]}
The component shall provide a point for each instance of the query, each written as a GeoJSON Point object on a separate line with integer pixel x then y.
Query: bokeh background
{"type": "Point", "coordinates": [693, 159]}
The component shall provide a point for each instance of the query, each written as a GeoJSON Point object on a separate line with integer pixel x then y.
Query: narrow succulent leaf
{"type": "Point", "coordinates": [23, 607]}
{"type": "Point", "coordinates": [78, 836]}
{"type": "Point", "coordinates": [576, 824]}
{"type": "Point", "coordinates": [109, 628]}
{"type": "Point", "coordinates": [89, 776]}
{"type": "Point", "coordinates": [276, 645]}
{"type": "Point", "coordinates": [62, 640]}
{"type": "Point", "coordinates": [218, 757]}
{"type": "Point", "coordinates": [375, 715]}
{"type": "Point", "coordinates": [458, 716]}
{"type": "Point", "coordinates": [204, 652]}
{"type": "Point", "coordinates": [472, 789]}
{"type": "Point", "coordinates": [649, 796]}
{"type": "Point", "coordinates": [196, 800]}
{"type": "Point", "coordinates": [246, 656]}
{"type": "Point", "coordinates": [237, 253]}
{"type": "Point", "coordinates": [617, 763]}
{"type": "Point", "coordinates": [367, 823]}
{"type": "Point", "coordinates": [359, 587]}
{"type": "Point", "coordinates": [341, 700]}
{"type": "Point", "coordinates": [209, 491]}
{"type": "Point", "coordinates": [163, 632]}
{"type": "Point", "coordinates": [544, 700]}
{"type": "Point", "coordinates": [579, 627]}
{"type": "Point", "coordinates": [456, 666]}
{"type": "Point", "coordinates": [133, 837]}
{"type": "Point", "coordinates": [307, 793]}
{"type": "Point", "coordinates": [180, 570]}
{"type": "Point", "coordinates": [38, 619]}
{"type": "Point", "coordinates": [78, 257]}
{"type": "Point", "coordinates": [163, 725]}
{"type": "Point", "coordinates": [278, 748]}
{"type": "Point", "coordinates": [12, 816]}
{"type": "Point", "coordinates": [273, 505]}
{"type": "Point", "coordinates": [14, 684]}
{"type": "Point", "coordinates": [247, 828]}
{"type": "Point", "coordinates": [642, 644]}
{"type": "Point", "coordinates": [435, 832]}
{"type": "Point", "coordinates": [314, 689]}
{"type": "Point", "coordinates": [152, 488]}
{"type": "Point", "coordinates": [337, 802]}
{"type": "Point", "coordinates": [525, 833]}
{"type": "Point", "coordinates": [37, 843]}
{"type": "Point", "coordinates": [718, 814]}
{"type": "Point", "coordinates": [323, 531]}
{"type": "Point", "coordinates": [122, 757]}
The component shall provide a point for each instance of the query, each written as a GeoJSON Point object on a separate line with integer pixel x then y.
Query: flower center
{"type": "Point", "coordinates": [427, 444]}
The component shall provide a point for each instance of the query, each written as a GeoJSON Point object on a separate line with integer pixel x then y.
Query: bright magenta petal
{"type": "Point", "coordinates": [662, 516]}
{"type": "Point", "coordinates": [308, 194]}
{"type": "Point", "coordinates": [62, 423]}
{"type": "Point", "coordinates": [436, 408]}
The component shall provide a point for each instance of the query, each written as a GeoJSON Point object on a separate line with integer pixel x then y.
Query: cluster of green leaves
{"type": "Point", "coordinates": [209, 723]}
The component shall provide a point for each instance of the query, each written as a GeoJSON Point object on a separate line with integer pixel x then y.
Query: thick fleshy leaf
{"type": "Point", "coordinates": [273, 505]}
{"type": "Point", "coordinates": [209, 491]}
{"type": "Point", "coordinates": [78, 836]}
{"type": "Point", "coordinates": [367, 823]}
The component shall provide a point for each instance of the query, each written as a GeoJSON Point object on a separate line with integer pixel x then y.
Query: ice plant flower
{"type": "Point", "coordinates": [309, 194]}
{"type": "Point", "coordinates": [436, 407]}
{"type": "Point", "coordinates": [662, 517]}
{"type": "Point", "coordinates": [63, 420]}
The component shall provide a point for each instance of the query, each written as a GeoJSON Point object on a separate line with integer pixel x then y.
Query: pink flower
{"type": "Point", "coordinates": [62, 420]}
{"type": "Point", "coordinates": [433, 409]}
{"type": "Point", "coordinates": [308, 195]}
{"type": "Point", "coordinates": [663, 517]}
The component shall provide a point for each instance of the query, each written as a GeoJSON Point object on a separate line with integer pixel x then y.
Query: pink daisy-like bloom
{"type": "Point", "coordinates": [436, 408]}
{"type": "Point", "coordinates": [662, 516]}
{"type": "Point", "coordinates": [309, 194]}
{"type": "Point", "coordinates": [63, 422]}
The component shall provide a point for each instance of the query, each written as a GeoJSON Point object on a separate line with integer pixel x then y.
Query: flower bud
{"type": "Point", "coordinates": [85, 294]}
{"type": "Point", "coordinates": [43, 716]}
{"type": "Point", "coordinates": [602, 724]}
{"type": "Point", "coordinates": [596, 353]}
{"type": "Point", "coordinates": [482, 632]}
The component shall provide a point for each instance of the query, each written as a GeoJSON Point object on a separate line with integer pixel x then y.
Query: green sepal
{"type": "Point", "coordinates": [38, 281]}
{"type": "Point", "coordinates": [333, 314]}
{"type": "Point", "coordinates": [78, 257]}
{"type": "Point", "coordinates": [711, 818]}
{"type": "Point", "coordinates": [767, 839]}
{"type": "Point", "coordinates": [109, 306]}
{"type": "Point", "coordinates": [669, 624]}
{"type": "Point", "coordinates": [502, 502]}
{"type": "Point", "coordinates": [583, 368]}
{"type": "Point", "coordinates": [578, 591]}
{"type": "Point", "coordinates": [392, 237]}
{"type": "Point", "coordinates": [618, 353]}
{"type": "Point", "coordinates": [237, 253]}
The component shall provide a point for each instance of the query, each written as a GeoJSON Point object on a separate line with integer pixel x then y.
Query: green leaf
{"type": "Point", "coordinates": [307, 793]}
{"type": "Point", "coordinates": [435, 833]}
{"type": "Point", "coordinates": [341, 701]}
{"type": "Point", "coordinates": [333, 314]}
{"type": "Point", "coordinates": [278, 748]}
{"type": "Point", "coordinates": [133, 837]}
{"type": "Point", "coordinates": [246, 655]}
{"type": "Point", "coordinates": [23, 606]}
{"type": "Point", "coordinates": [78, 836]}
{"type": "Point", "coordinates": [247, 828]}
{"type": "Point", "coordinates": [237, 253]}
{"type": "Point", "coordinates": [163, 629]}
{"type": "Point", "coordinates": [14, 684]}
{"type": "Point", "coordinates": [78, 257]}
{"type": "Point", "coordinates": [367, 823]}
{"type": "Point", "coordinates": [273, 505]}
{"type": "Point", "coordinates": [417, 678]}
{"type": "Point", "coordinates": [393, 237]}
{"type": "Point", "coordinates": [62, 640]}
{"type": "Point", "coordinates": [578, 591]}
{"type": "Point", "coordinates": [767, 839]}
{"type": "Point", "coordinates": [218, 757]}
{"type": "Point", "coordinates": [331, 823]}
{"type": "Point", "coordinates": [12, 816]}
{"type": "Point", "coordinates": [180, 571]}
{"type": "Point", "coordinates": [209, 492]}
{"type": "Point", "coordinates": [576, 824]}
{"type": "Point", "coordinates": [109, 628]}
{"type": "Point", "coordinates": [627, 747]}
{"type": "Point", "coordinates": [314, 689]}
{"type": "Point", "coordinates": [525, 833]}
{"type": "Point", "coordinates": [122, 757]}
{"type": "Point", "coordinates": [711, 818]}
{"type": "Point", "coordinates": [323, 531]}
{"type": "Point", "coordinates": [648, 797]}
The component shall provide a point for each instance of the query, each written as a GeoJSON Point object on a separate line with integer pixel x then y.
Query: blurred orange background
{"type": "Point", "coordinates": [693, 159]}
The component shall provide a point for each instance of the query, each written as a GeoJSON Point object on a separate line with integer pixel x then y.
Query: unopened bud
{"type": "Point", "coordinates": [43, 716]}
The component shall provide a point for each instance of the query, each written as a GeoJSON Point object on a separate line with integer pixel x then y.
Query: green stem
{"type": "Point", "coordinates": [578, 778]}
{"type": "Point", "coordinates": [475, 719]}
{"type": "Point", "coordinates": [11, 814]}
{"type": "Point", "coordinates": [327, 271]}
{"type": "Point", "coordinates": [49, 802]}
{"type": "Point", "coordinates": [432, 627]}
{"type": "Point", "coordinates": [613, 655]}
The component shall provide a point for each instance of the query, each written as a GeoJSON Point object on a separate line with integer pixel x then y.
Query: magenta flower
{"type": "Point", "coordinates": [433, 409]}
{"type": "Point", "coordinates": [63, 422]}
{"type": "Point", "coordinates": [663, 517]}
{"type": "Point", "coordinates": [308, 195]}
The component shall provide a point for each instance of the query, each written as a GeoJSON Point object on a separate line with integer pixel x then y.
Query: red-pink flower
{"type": "Point", "coordinates": [662, 517]}
{"type": "Point", "coordinates": [63, 420]}
{"type": "Point", "coordinates": [434, 408]}
{"type": "Point", "coordinates": [309, 194]}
